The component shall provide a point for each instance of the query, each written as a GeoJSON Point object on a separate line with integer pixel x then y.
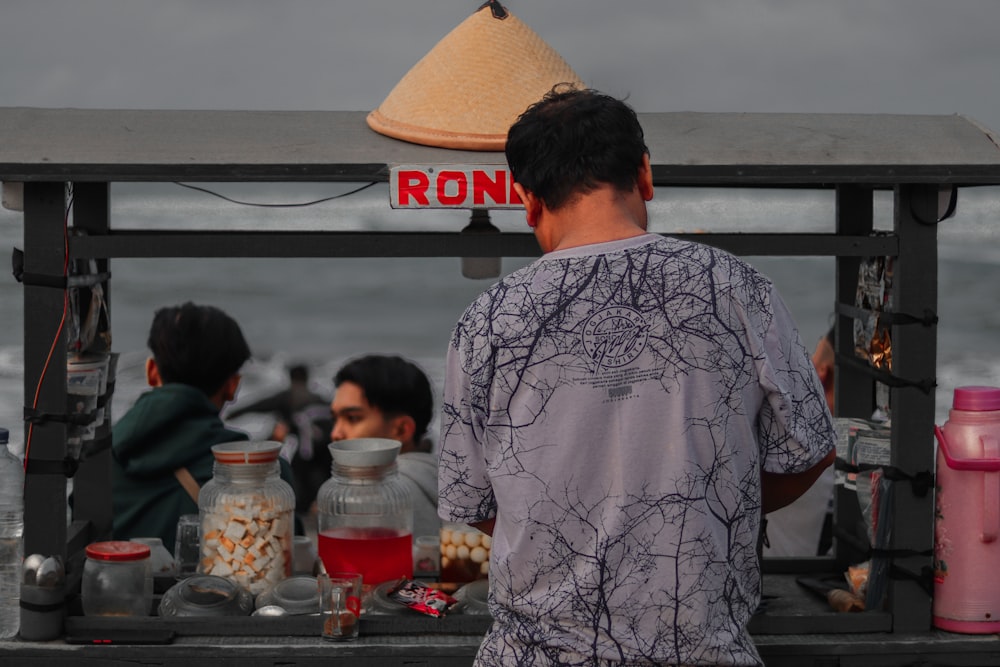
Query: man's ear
{"type": "Point", "coordinates": [532, 204]}
{"type": "Point", "coordinates": [403, 428]}
{"type": "Point", "coordinates": [153, 378]}
{"type": "Point", "coordinates": [644, 179]}
{"type": "Point", "coordinates": [230, 387]}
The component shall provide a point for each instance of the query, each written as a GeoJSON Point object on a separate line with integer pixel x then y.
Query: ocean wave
{"type": "Point", "coordinates": [965, 372]}
{"type": "Point", "coordinates": [12, 363]}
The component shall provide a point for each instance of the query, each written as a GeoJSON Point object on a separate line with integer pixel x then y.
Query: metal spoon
{"type": "Point", "coordinates": [29, 569]}
{"type": "Point", "coordinates": [270, 610]}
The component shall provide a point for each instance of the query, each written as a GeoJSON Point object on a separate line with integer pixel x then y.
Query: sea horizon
{"type": "Point", "coordinates": [322, 311]}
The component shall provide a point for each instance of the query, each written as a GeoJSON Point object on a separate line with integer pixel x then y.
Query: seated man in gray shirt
{"type": "Point", "coordinates": [379, 396]}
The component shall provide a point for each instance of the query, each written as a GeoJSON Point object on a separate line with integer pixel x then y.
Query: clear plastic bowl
{"type": "Point", "coordinates": [296, 595]}
{"type": "Point", "coordinates": [206, 595]}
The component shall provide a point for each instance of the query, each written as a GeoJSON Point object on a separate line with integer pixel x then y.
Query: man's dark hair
{"type": "Point", "coordinates": [573, 141]}
{"type": "Point", "coordinates": [196, 345]}
{"type": "Point", "coordinates": [393, 385]}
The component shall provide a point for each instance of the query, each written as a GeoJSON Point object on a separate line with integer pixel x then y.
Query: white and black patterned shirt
{"type": "Point", "coordinates": [612, 406]}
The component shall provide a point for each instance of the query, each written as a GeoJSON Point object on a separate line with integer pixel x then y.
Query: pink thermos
{"type": "Point", "coordinates": [967, 523]}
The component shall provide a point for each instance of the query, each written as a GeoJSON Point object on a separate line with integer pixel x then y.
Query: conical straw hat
{"type": "Point", "coordinates": [471, 87]}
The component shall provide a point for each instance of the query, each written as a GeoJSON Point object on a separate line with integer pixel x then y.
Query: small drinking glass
{"type": "Point", "coordinates": [303, 555]}
{"type": "Point", "coordinates": [427, 556]}
{"type": "Point", "coordinates": [340, 605]}
{"type": "Point", "coordinates": [187, 545]}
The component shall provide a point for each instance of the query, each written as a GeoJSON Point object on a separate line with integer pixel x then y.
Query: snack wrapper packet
{"type": "Point", "coordinates": [422, 598]}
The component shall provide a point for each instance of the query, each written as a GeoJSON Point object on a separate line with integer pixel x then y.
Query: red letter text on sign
{"type": "Point", "coordinates": [442, 185]}
{"type": "Point", "coordinates": [413, 184]}
{"type": "Point", "coordinates": [495, 187]}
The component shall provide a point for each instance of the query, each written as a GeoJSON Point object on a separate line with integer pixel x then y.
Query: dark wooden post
{"type": "Point", "coordinates": [44, 369]}
{"type": "Point", "coordinates": [914, 357]}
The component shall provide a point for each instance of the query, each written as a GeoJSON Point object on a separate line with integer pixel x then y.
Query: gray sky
{"type": "Point", "coordinates": [859, 56]}
{"type": "Point", "coordinates": [895, 56]}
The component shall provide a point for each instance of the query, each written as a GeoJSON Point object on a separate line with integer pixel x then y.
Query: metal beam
{"type": "Point", "coordinates": [853, 390]}
{"type": "Point", "coordinates": [166, 243]}
{"type": "Point", "coordinates": [92, 214]}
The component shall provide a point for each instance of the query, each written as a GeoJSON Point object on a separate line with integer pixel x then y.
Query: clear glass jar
{"type": "Point", "coordinates": [117, 580]}
{"type": "Point", "coordinates": [247, 517]}
{"type": "Point", "coordinates": [160, 560]}
{"type": "Point", "coordinates": [205, 595]}
{"type": "Point", "coordinates": [465, 553]}
{"type": "Point", "coordinates": [365, 513]}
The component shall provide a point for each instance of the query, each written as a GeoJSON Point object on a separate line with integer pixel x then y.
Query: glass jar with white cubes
{"type": "Point", "coordinates": [247, 517]}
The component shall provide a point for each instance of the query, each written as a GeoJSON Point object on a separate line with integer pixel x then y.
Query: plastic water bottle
{"type": "Point", "coordinates": [11, 544]}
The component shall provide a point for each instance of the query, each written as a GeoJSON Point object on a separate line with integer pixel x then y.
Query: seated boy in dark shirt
{"type": "Point", "coordinates": [162, 447]}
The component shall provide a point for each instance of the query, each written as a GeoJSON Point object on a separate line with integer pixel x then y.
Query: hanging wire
{"type": "Point", "coordinates": [275, 205]}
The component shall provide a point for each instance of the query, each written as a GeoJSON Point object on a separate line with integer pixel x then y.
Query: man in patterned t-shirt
{"type": "Point", "coordinates": [618, 415]}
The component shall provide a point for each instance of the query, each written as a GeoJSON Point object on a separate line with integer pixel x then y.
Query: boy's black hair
{"type": "Point", "coordinates": [393, 385]}
{"type": "Point", "coordinates": [573, 141]}
{"type": "Point", "coordinates": [200, 346]}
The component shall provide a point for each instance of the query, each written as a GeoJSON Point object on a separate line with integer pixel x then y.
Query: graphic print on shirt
{"type": "Point", "coordinates": [615, 544]}
{"type": "Point", "coordinates": [614, 337]}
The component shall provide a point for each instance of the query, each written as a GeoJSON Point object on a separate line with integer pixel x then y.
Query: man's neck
{"type": "Point", "coordinates": [599, 216]}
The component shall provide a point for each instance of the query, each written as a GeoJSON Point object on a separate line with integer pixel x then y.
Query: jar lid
{"type": "Point", "coordinates": [117, 551]}
{"type": "Point", "coordinates": [242, 451]}
{"type": "Point", "coordinates": [976, 399]}
{"type": "Point", "coordinates": [365, 452]}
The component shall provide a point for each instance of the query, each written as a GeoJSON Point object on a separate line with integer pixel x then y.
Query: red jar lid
{"type": "Point", "coordinates": [117, 551]}
{"type": "Point", "coordinates": [976, 399]}
{"type": "Point", "coordinates": [241, 451]}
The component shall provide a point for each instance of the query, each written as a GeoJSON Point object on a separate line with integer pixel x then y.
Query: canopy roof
{"type": "Point", "coordinates": [686, 148]}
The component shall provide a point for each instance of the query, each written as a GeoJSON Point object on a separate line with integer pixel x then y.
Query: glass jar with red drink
{"type": "Point", "coordinates": [365, 513]}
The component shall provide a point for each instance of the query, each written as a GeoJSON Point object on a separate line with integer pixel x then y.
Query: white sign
{"type": "Point", "coordinates": [452, 186]}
